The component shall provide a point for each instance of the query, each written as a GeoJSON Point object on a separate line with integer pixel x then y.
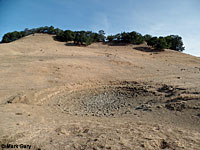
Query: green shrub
{"type": "Point", "coordinates": [110, 38]}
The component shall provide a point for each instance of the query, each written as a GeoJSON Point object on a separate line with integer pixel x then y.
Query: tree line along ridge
{"type": "Point", "coordinates": [173, 42]}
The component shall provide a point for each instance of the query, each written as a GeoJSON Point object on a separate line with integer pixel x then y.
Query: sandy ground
{"type": "Point", "coordinates": [58, 96]}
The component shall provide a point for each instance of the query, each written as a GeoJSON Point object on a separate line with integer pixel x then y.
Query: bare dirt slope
{"type": "Point", "coordinates": [58, 96]}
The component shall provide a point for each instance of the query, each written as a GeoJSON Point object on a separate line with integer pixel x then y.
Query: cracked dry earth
{"type": "Point", "coordinates": [54, 96]}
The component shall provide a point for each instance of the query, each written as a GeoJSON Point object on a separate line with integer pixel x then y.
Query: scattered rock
{"type": "Point", "coordinates": [144, 108]}
{"type": "Point", "coordinates": [18, 113]}
{"type": "Point", "coordinates": [177, 106]}
{"type": "Point", "coordinates": [86, 131]}
{"type": "Point", "coordinates": [166, 89]}
{"type": "Point", "coordinates": [164, 144]}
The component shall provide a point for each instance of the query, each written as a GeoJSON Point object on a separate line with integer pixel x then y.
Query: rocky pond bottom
{"type": "Point", "coordinates": [125, 98]}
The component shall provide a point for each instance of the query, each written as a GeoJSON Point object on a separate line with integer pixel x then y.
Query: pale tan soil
{"type": "Point", "coordinates": [54, 96]}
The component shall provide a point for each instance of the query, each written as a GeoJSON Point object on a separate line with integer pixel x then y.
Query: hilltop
{"type": "Point", "coordinates": [56, 95]}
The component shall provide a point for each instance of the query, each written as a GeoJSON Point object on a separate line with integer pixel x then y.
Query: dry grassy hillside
{"type": "Point", "coordinates": [55, 95]}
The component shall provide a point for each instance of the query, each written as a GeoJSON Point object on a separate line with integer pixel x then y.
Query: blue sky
{"type": "Point", "coordinates": [155, 17]}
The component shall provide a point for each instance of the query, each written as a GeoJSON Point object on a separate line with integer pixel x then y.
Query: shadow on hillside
{"type": "Point", "coordinates": [66, 43]}
{"type": "Point", "coordinates": [147, 49]}
{"type": "Point", "coordinates": [115, 44]}
{"type": "Point", "coordinates": [72, 44]}
{"type": "Point", "coordinates": [56, 39]}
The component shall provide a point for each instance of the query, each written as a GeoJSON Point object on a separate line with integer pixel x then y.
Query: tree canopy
{"type": "Point", "coordinates": [173, 42]}
{"type": "Point", "coordinates": [126, 37]}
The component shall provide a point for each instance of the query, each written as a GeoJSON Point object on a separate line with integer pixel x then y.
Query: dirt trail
{"type": "Point", "coordinates": [54, 96]}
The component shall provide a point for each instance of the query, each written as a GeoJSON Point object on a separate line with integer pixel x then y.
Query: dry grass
{"type": "Point", "coordinates": [54, 96]}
